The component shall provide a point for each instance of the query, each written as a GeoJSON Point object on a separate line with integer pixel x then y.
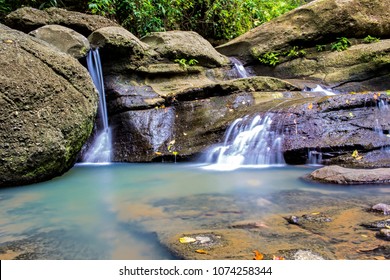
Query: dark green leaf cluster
{"type": "Point", "coordinates": [217, 19]}
{"type": "Point", "coordinates": [213, 19]}
{"type": "Point", "coordinates": [341, 45]}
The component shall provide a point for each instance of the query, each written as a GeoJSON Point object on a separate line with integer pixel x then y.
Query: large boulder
{"type": "Point", "coordinates": [27, 19]}
{"type": "Point", "coordinates": [317, 22]}
{"type": "Point", "coordinates": [48, 107]}
{"type": "Point", "coordinates": [302, 44]}
{"type": "Point", "coordinates": [64, 39]}
{"type": "Point", "coordinates": [185, 45]}
{"type": "Point", "coordinates": [346, 176]}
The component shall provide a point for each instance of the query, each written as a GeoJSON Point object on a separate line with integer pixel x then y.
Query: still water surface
{"type": "Point", "coordinates": [119, 211]}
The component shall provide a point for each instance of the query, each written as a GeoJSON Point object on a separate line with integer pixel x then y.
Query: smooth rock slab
{"type": "Point", "coordinates": [65, 39]}
{"type": "Point", "coordinates": [346, 176]}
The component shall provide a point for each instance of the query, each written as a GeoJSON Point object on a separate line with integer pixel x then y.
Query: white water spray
{"type": "Point", "coordinates": [239, 67]}
{"type": "Point", "coordinates": [101, 148]}
{"type": "Point", "coordinates": [248, 142]}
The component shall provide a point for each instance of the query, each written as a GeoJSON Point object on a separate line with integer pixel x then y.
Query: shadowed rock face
{"type": "Point", "coordinates": [48, 105]}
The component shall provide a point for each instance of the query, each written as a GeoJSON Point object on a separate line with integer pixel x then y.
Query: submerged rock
{"type": "Point", "coordinates": [347, 176]}
{"type": "Point", "coordinates": [308, 218]}
{"type": "Point", "coordinates": [303, 255]}
{"type": "Point", "coordinates": [48, 107]}
{"type": "Point", "coordinates": [377, 225]}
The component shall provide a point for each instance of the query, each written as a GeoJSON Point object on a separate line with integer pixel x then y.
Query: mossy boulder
{"type": "Point", "coordinates": [48, 107]}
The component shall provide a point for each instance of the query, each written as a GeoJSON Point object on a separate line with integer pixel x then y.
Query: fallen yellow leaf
{"type": "Point", "coordinates": [316, 213]}
{"type": "Point", "coordinates": [310, 106]}
{"type": "Point", "coordinates": [186, 239]}
{"type": "Point", "coordinates": [158, 153]}
{"type": "Point", "coordinates": [200, 251]}
{"type": "Point", "coordinates": [258, 256]}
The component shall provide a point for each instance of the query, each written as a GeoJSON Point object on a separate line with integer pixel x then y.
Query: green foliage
{"type": "Point", "coordinates": [7, 6]}
{"type": "Point", "coordinates": [269, 58]}
{"type": "Point", "coordinates": [341, 45]}
{"type": "Point", "coordinates": [184, 63]}
{"type": "Point", "coordinates": [102, 7]}
{"type": "Point", "coordinates": [320, 48]}
{"type": "Point", "coordinates": [219, 19]}
{"type": "Point", "coordinates": [295, 52]}
{"type": "Point", "coordinates": [369, 39]}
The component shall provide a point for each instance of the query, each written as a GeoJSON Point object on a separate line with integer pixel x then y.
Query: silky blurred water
{"type": "Point", "coordinates": [118, 211]}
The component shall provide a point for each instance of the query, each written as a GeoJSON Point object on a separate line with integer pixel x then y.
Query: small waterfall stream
{"type": "Point", "coordinates": [101, 148]}
{"type": "Point", "coordinates": [248, 142]}
{"type": "Point", "coordinates": [239, 68]}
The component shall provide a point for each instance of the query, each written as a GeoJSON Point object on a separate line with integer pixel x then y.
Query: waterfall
{"type": "Point", "coordinates": [239, 67]}
{"type": "Point", "coordinates": [319, 88]}
{"type": "Point", "coordinates": [100, 150]}
{"type": "Point", "coordinates": [314, 158]}
{"type": "Point", "coordinates": [248, 142]}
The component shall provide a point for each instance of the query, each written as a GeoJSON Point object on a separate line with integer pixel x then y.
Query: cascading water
{"type": "Point", "coordinates": [239, 67]}
{"type": "Point", "coordinates": [248, 142]}
{"type": "Point", "coordinates": [100, 150]}
{"type": "Point", "coordinates": [314, 158]}
{"type": "Point", "coordinates": [319, 88]}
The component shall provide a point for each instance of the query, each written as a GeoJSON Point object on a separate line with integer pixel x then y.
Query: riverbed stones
{"type": "Point", "coordinates": [48, 107]}
{"type": "Point", "coordinates": [347, 176]}
{"type": "Point", "coordinates": [216, 244]}
{"type": "Point", "coordinates": [64, 39]}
